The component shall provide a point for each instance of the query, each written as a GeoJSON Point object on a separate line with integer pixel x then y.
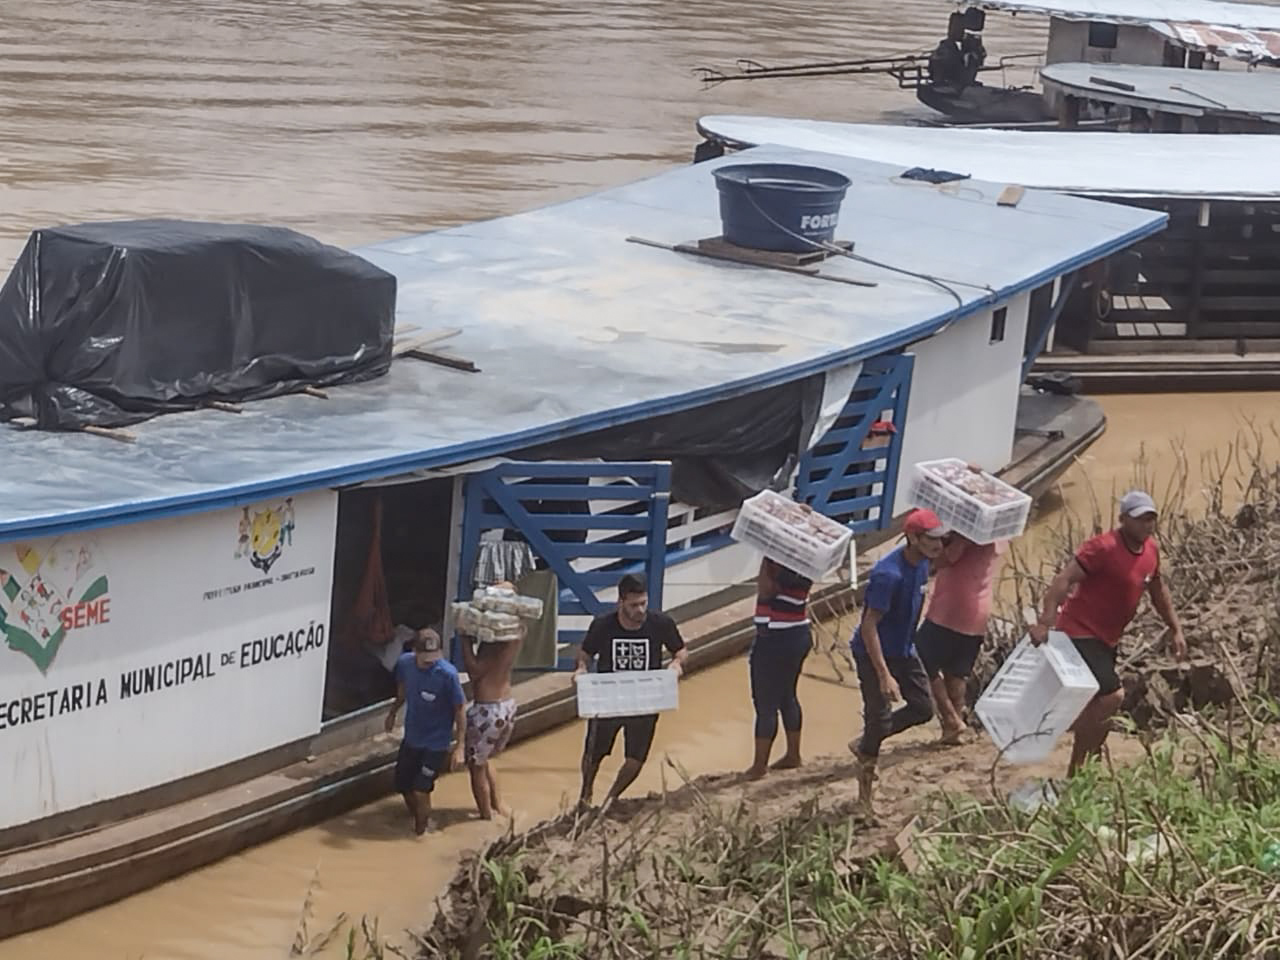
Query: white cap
{"type": "Point", "coordinates": [1137, 503]}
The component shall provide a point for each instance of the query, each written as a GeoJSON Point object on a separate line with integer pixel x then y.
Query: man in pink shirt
{"type": "Point", "coordinates": [955, 623]}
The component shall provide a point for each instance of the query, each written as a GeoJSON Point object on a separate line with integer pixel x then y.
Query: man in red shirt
{"type": "Point", "coordinates": [1102, 587]}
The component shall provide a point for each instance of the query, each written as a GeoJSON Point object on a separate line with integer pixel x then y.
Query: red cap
{"type": "Point", "coordinates": [925, 522]}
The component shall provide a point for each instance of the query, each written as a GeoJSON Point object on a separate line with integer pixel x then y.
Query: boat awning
{"type": "Point", "coordinates": [1200, 166]}
{"type": "Point", "coordinates": [576, 329]}
{"type": "Point", "coordinates": [1194, 93]}
{"type": "Point", "coordinates": [1247, 16]}
{"type": "Point", "coordinates": [1254, 46]}
{"type": "Point", "coordinates": [1239, 31]}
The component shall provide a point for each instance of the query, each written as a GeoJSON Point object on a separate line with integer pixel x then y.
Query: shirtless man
{"type": "Point", "coordinates": [491, 716]}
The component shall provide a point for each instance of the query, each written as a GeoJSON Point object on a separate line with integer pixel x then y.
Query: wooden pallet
{"type": "Point", "coordinates": [722, 249]}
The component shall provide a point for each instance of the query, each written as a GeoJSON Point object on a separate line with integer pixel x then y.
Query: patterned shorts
{"type": "Point", "coordinates": [489, 727]}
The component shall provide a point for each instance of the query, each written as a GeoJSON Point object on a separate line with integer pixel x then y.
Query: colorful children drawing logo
{"type": "Point", "coordinates": [46, 591]}
{"type": "Point", "coordinates": [265, 534]}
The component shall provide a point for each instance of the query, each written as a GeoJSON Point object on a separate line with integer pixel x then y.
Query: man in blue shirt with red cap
{"type": "Point", "coordinates": [884, 645]}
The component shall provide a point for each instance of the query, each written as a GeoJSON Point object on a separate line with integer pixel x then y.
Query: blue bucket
{"type": "Point", "coordinates": [779, 206]}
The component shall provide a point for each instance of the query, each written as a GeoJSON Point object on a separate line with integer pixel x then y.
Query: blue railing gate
{"type": "Point", "coordinates": [589, 523]}
{"type": "Point", "coordinates": [850, 475]}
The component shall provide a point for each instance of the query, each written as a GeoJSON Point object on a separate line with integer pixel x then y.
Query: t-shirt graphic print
{"type": "Point", "coordinates": [630, 653]}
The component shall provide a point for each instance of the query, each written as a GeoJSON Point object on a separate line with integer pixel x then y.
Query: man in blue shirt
{"type": "Point", "coordinates": [884, 645]}
{"type": "Point", "coordinates": [436, 715]}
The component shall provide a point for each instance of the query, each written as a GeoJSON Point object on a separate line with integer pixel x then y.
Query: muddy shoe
{"type": "Point", "coordinates": [865, 769]}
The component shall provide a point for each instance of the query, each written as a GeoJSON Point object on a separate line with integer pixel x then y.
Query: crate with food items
{"type": "Point", "coordinates": [494, 613]}
{"type": "Point", "coordinates": [790, 533]}
{"type": "Point", "coordinates": [971, 502]}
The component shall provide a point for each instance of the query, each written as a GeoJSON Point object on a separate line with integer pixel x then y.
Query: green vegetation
{"type": "Point", "coordinates": [1175, 856]}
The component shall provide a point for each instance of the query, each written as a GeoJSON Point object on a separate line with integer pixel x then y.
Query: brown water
{"type": "Point", "coordinates": [355, 120]}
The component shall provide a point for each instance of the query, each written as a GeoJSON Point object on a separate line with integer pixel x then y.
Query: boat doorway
{"type": "Point", "coordinates": [390, 578]}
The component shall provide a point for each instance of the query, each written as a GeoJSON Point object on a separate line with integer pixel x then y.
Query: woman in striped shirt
{"type": "Point", "coordinates": [781, 644]}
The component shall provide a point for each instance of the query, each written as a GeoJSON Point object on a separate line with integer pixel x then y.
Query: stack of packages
{"type": "Point", "coordinates": [494, 614]}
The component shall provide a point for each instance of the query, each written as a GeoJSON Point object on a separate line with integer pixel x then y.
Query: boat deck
{"type": "Point", "coordinates": [1165, 372]}
{"type": "Point", "coordinates": [1189, 93]}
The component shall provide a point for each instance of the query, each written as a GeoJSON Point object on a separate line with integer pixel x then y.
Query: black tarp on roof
{"type": "Point", "coordinates": [108, 324]}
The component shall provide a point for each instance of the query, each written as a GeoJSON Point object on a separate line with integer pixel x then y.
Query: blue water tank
{"type": "Point", "coordinates": [779, 206]}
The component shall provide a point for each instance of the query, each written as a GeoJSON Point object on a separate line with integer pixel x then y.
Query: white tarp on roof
{"type": "Point", "coordinates": [1203, 166]}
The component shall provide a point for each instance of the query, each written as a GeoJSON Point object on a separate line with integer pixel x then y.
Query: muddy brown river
{"type": "Point", "coordinates": [356, 120]}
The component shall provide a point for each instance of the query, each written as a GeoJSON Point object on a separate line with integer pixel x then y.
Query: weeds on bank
{"type": "Point", "coordinates": [1175, 856]}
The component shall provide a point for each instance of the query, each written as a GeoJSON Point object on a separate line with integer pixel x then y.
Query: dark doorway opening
{"type": "Point", "coordinates": [390, 574]}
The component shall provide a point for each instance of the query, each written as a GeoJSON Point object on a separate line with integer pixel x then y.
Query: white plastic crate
{"type": "Point", "coordinates": [810, 543]}
{"type": "Point", "coordinates": [1034, 697]}
{"type": "Point", "coordinates": [963, 512]}
{"type": "Point", "coordinates": [627, 693]}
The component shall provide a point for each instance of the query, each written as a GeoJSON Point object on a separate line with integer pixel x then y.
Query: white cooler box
{"type": "Point", "coordinates": [1034, 697]}
{"type": "Point", "coordinates": [996, 512]}
{"type": "Point", "coordinates": [626, 693]}
{"type": "Point", "coordinates": [808, 542]}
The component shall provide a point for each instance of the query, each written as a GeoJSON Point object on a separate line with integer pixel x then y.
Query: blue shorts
{"type": "Point", "coordinates": [416, 770]}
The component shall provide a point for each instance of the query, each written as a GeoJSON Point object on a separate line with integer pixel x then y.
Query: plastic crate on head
{"type": "Point", "coordinates": [1034, 698]}
{"type": "Point", "coordinates": [808, 542]}
{"type": "Point", "coordinates": [975, 505]}
{"type": "Point", "coordinates": [626, 693]}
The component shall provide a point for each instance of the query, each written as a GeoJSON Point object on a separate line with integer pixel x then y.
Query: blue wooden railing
{"type": "Point", "coordinates": [838, 476]}
{"type": "Point", "coordinates": [537, 500]}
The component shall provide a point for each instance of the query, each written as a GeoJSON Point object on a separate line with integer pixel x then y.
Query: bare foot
{"type": "Point", "coordinates": [786, 763]}
{"type": "Point", "coordinates": [952, 737]}
{"type": "Point", "coordinates": [754, 773]}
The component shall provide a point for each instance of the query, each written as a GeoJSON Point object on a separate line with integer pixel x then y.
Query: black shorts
{"type": "Point", "coordinates": [603, 731]}
{"type": "Point", "coordinates": [416, 770]}
{"type": "Point", "coordinates": [1102, 662]}
{"type": "Point", "coordinates": [946, 651]}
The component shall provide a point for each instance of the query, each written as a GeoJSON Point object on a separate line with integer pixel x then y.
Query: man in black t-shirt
{"type": "Point", "coordinates": [630, 638]}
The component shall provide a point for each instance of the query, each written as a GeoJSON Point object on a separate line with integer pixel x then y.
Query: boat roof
{"type": "Point", "coordinates": [1195, 93]}
{"type": "Point", "coordinates": [1247, 16]}
{"type": "Point", "coordinates": [576, 329]}
{"type": "Point", "coordinates": [1190, 165]}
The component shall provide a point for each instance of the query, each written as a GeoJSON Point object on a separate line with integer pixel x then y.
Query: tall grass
{"type": "Point", "coordinates": [1175, 856]}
